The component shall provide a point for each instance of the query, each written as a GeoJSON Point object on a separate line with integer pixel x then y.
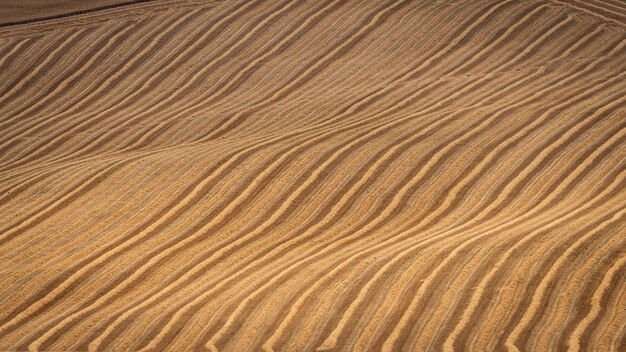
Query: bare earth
{"type": "Point", "coordinates": [247, 175]}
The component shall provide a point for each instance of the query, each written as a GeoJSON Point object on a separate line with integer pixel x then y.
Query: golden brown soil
{"type": "Point", "coordinates": [247, 175]}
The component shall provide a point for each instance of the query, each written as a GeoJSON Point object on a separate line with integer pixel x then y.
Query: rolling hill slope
{"type": "Point", "coordinates": [290, 175]}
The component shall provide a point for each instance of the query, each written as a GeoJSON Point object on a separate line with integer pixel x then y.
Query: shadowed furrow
{"type": "Point", "coordinates": [290, 175]}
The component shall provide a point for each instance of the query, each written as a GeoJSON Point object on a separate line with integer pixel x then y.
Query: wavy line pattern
{"type": "Point", "coordinates": [290, 175]}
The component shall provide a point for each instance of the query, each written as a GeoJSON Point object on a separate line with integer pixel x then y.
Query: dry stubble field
{"type": "Point", "coordinates": [292, 175]}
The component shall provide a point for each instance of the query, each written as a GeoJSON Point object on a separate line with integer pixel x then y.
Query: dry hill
{"type": "Point", "coordinates": [294, 175]}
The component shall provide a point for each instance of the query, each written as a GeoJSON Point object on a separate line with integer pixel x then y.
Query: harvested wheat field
{"type": "Point", "coordinates": [293, 175]}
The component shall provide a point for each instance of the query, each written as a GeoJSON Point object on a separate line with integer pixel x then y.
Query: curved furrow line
{"type": "Point", "coordinates": [145, 26]}
{"type": "Point", "coordinates": [605, 251]}
{"type": "Point", "coordinates": [307, 73]}
{"type": "Point", "coordinates": [582, 42]}
{"type": "Point", "coordinates": [32, 195]}
{"type": "Point", "coordinates": [402, 324]}
{"type": "Point", "coordinates": [192, 191]}
{"type": "Point", "coordinates": [9, 194]}
{"type": "Point", "coordinates": [399, 79]}
{"type": "Point", "coordinates": [140, 55]}
{"type": "Point", "coordinates": [86, 19]}
{"type": "Point", "coordinates": [620, 140]}
{"type": "Point", "coordinates": [10, 46]}
{"type": "Point", "coordinates": [388, 345]}
{"type": "Point", "coordinates": [31, 127]}
{"type": "Point", "coordinates": [335, 266]}
{"type": "Point", "coordinates": [597, 305]}
{"type": "Point", "coordinates": [462, 36]}
{"type": "Point", "coordinates": [371, 98]}
{"type": "Point", "coordinates": [483, 17]}
{"type": "Point", "coordinates": [453, 340]}
{"type": "Point", "coordinates": [319, 251]}
{"type": "Point", "coordinates": [23, 249]}
{"type": "Point", "coordinates": [618, 20]}
{"type": "Point", "coordinates": [548, 303]}
{"type": "Point", "coordinates": [54, 74]}
{"type": "Point", "coordinates": [519, 329]}
{"type": "Point", "coordinates": [285, 137]}
{"type": "Point", "coordinates": [102, 174]}
{"type": "Point", "coordinates": [16, 190]}
{"type": "Point", "coordinates": [396, 258]}
{"type": "Point", "coordinates": [371, 118]}
{"type": "Point", "coordinates": [284, 91]}
{"type": "Point", "coordinates": [217, 219]}
{"type": "Point", "coordinates": [143, 137]}
{"type": "Point", "coordinates": [94, 178]}
{"type": "Point", "coordinates": [118, 164]}
{"type": "Point", "coordinates": [29, 56]}
{"type": "Point", "coordinates": [578, 283]}
{"type": "Point", "coordinates": [120, 180]}
{"type": "Point", "coordinates": [378, 93]}
{"type": "Point", "coordinates": [143, 53]}
{"type": "Point", "coordinates": [493, 152]}
{"type": "Point", "coordinates": [618, 15]}
{"type": "Point", "coordinates": [54, 70]}
{"type": "Point", "coordinates": [180, 59]}
{"type": "Point", "coordinates": [49, 207]}
{"type": "Point", "coordinates": [375, 18]}
{"type": "Point", "coordinates": [61, 47]}
{"type": "Point", "coordinates": [334, 80]}
{"type": "Point", "coordinates": [528, 17]}
{"type": "Point", "coordinates": [606, 331]}
{"type": "Point", "coordinates": [138, 141]}
{"type": "Point", "coordinates": [509, 289]}
{"type": "Point", "coordinates": [259, 228]}
{"type": "Point", "coordinates": [616, 6]}
{"type": "Point", "coordinates": [361, 107]}
{"type": "Point", "coordinates": [48, 169]}
{"type": "Point", "coordinates": [163, 64]}
{"type": "Point", "coordinates": [75, 13]}
{"type": "Point", "coordinates": [241, 76]}
{"type": "Point", "coordinates": [553, 33]}
{"type": "Point", "coordinates": [252, 175]}
{"type": "Point", "coordinates": [459, 331]}
{"type": "Point", "coordinates": [93, 58]}
{"type": "Point", "coordinates": [198, 157]}
{"type": "Point", "coordinates": [109, 227]}
{"type": "Point", "coordinates": [255, 226]}
{"type": "Point", "coordinates": [8, 56]}
{"type": "Point", "coordinates": [222, 89]}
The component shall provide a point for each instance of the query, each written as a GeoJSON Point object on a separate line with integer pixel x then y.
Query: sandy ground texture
{"type": "Point", "coordinates": [292, 175]}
